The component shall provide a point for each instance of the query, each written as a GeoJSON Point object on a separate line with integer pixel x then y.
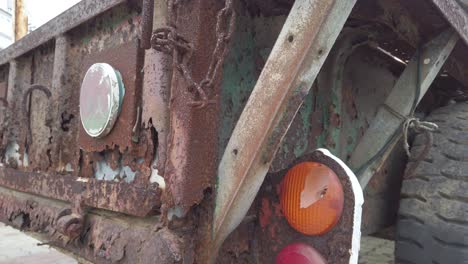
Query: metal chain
{"type": "Point", "coordinates": [167, 40]}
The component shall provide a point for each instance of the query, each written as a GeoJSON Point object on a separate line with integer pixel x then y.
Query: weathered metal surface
{"type": "Point", "coordinates": [147, 23]}
{"type": "Point", "coordinates": [272, 232]}
{"type": "Point", "coordinates": [70, 221]}
{"type": "Point", "coordinates": [27, 98]}
{"type": "Point", "coordinates": [60, 126]}
{"type": "Point", "coordinates": [191, 156]}
{"type": "Point", "coordinates": [106, 237]}
{"type": "Point", "coordinates": [69, 19]}
{"type": "Point", "coordinates": [421, 70]}
{"type": "Point", "coordinates": [20, 74]}
{"type": "Point", "coordinates": [3, 89]}
{"type": "Point", "coordinates": [414, 22]}
{"type": "Point", "coordinates": [369, 75]}
{"type": "Point", "coordinates": [250, 47]}
{"type": "Point", "coordinates": [336, 120]}
{"type": "Point", "coordinates": [308, 34]}
{"type": "Point", "coordinates": [455, 15]}
{"type": "Point", "coordinates": [128, 63]}
{"type": "Point", "coordinates": [382, 195]}
{"type": "Point", "coordinates": [157, 89]}
{"type": "Point", "coordinates": [134, 199]}
{"type": "Point", "coordinates": [111, 30]}
{"type": "Point", "coordinates": [39, 117]}
{"type": "Point", "coordinates": [328, 117]}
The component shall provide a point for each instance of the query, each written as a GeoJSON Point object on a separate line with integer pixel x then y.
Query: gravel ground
{"type": "Point", "coordinates": [376, 251]}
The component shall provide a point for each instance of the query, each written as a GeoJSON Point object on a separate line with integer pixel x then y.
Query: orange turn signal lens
{"type": "Point", "coordinates": [312, 198]}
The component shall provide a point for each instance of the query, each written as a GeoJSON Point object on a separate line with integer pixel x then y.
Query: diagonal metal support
{"type": "Point", "coordinates": [381, 132]}
{"type": "Point", "coordinates": [299, 52]}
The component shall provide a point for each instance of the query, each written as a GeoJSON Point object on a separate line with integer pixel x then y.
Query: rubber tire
{"type": "Point", "coordinates": [432, 224]}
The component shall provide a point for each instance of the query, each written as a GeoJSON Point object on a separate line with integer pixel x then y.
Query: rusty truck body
{"type": "Point", "coordinates": [212, 103]}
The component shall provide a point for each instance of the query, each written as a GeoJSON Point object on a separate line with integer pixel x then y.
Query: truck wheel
{"type": "Point", "coordinates": [432, 222]}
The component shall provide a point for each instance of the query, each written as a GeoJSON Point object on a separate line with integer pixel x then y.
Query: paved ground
{"type": "Point", "coordinates": [18, 248]}
{"type": "Point", "coordinates": [376, 251]}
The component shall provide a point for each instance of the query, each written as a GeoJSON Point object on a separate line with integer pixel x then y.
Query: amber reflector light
{"type": "Point", "coordinates": [312, 198]}
{"type": "Point", "coordinates": [299, 253]}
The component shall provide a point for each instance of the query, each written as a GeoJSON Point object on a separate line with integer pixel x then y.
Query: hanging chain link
{"type": "Point", "coordinates": [167, 40]}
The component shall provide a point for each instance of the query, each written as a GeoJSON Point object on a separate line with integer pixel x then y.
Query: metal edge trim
{"type": "Point", "coordinates": [71, 18]}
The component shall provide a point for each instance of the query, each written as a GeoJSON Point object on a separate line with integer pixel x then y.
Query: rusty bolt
{"type": "Point", "coordinates": [70, 221]}
{"type": "Point", "coordinates": [70, 225]}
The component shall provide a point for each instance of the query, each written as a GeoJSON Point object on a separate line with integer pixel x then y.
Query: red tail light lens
{"type": "Point", "coordinates": [312, 198]}
{"type": "Point", "coordinates": [299, 253]}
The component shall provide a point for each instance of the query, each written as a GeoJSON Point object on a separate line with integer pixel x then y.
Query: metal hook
{"type": "Point", "coordinates": [28, 92]}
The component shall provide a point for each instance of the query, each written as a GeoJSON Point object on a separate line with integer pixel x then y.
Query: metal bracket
{"type": "Point", "coordinates": [307, 36]}
{"type": "Point", "coordinates": [382, 132]}
{"type": "Point", "coordinates": [70, 221]}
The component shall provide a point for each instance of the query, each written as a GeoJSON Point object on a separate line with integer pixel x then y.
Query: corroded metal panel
{"type": "Point", "coordinates": [108, 238]}
{"type": "Point", "coordinates": [191, 155]}
{"type": "Point", "coordinates": [128, 64]}
{"type": "Point", "coordinates": [135, 220]}
{"type": "Point", "coordinates": [272, 232]}
{"type": "Point", "coordinates": [300, 51]}
{"type": "Point", "coordinates": [71, 18]}
{"type": "Point", "coordinates": [40, 115]}
{"type": "Point", "coordinates": [133, 199]}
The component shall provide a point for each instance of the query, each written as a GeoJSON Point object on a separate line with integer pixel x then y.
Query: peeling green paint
{"type": "Point", "coordinates": [312, 128]}
{"type": "Point", "coordinates": [238, 78]}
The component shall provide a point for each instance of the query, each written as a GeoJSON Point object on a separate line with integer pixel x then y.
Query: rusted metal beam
{"type": "Point", "coordinates": [12, 76]}
{"type": "Point", "coordinates": [455, 15]}
{"type": "Point", "coordinates": [299, 52]}
{"type": "Point", "coordinates": [105, 238]}
{"type": "Point", "coordinates": [59, 77]}
{"type": "Point", "coordinates": [128, 198]}
{"type": "Point", "coordinates": [21, 20]}
{"type": "Point", "coordinates": [157, 91]}
{"type": "Point", "coordinates": [78, 14]}
{"type": "Point", "coordinates": [381, 131]}
{"type": "Point", "coordinates": [147, 23]}
{"type": "Point", "coordinates": [191, 157]}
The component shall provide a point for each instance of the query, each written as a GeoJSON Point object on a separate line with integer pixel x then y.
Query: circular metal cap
{"type": "Point", "coordinates": [101, 97]}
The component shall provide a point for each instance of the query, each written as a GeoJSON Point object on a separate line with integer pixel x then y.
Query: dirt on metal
{"type": "Point", "coordinates": [127, 59]}
{"type": "Point", "coordinates": [173, 116]}
{"type": "Point", "coordinates": [105, 238]}
{"type": "Point", "coordinates": [135, 199]}
{"type": "Point", "coordinates": [191, 160]}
